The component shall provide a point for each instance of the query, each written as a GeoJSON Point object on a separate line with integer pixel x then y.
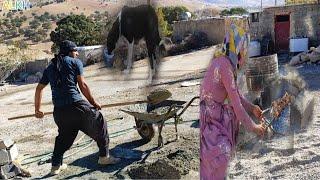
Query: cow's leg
{"type": "Point", "coordinates": [129, 57]}
{"type": "Point", "coordinates": [152, 58]}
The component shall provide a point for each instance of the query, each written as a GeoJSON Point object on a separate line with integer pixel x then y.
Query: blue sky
{"type": "Point", "coordinates": [245, 2]}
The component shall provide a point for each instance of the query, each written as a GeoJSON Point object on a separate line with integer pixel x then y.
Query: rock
{"type": "Point", "coordinates": [13, 153]}
{"type": "Point", "coordinates": [8, 150]}
{"type": "Point", "coordinates": [314, 57]}
{"type": "Point", "coordinates": [4, 157]}
{"type": "Point", "coordinates": [9, 171]}
{"type": "Point", "coordinates": [299, 59]}
{"type": "Point", "coordinates": [6, 143]}
{"type": "Point", "coordinates": [39, 74]}
{"type": "Point", "coordinates": [32, 79]}
{"type": "Point", "coordinates": [317, 50]}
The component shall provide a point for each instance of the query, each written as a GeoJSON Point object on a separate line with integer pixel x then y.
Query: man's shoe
{"type": "Point", "coordinates": [55, 170]}
{"type": "Point", "coordinates": [108, 160]}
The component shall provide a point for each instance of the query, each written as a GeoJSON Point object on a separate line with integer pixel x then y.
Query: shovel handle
{"type": "Point", "coordinates": [26, 116]}
{"type": "Point", "coordinates": [103, 106]}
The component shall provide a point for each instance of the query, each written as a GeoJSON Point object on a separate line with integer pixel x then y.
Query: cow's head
{"type": "Point", "coordinates": [113, 36]}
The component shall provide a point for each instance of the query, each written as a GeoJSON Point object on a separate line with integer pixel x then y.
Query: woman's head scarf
{"type": "Point", "coordinates": [235, 45]}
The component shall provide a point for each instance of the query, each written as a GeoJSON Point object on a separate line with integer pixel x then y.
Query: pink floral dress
{"type": "Point", "coordinates": [222, 108]}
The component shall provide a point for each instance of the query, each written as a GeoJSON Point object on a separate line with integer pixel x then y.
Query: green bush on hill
{"type": "Point", "coordinates": [77, 28]}
{"type": "Point", "coordinates": [233, 11]}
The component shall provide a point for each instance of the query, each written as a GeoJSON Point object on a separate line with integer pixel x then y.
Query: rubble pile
{"type": "Point", "coordinates": [312, 56]}
{"type": "Point", "coordinates": [9, 167]}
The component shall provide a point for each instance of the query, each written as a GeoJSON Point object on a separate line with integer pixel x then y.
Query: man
{"type": "Point", "coordinates": [71, 112]}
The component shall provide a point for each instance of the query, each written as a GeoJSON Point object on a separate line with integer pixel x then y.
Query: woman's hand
{"type": "Point", "coordinates": [257, 112]}
{"type": "Point", "coordinates": [259, 129]}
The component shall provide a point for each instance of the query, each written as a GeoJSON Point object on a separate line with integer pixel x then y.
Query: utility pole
{"type": "Point", "coordinates": [149, 3]}
{"type": "Point", "coordinates": [261, 6]}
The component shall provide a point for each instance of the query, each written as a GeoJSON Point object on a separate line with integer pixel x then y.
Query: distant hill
{"type": "Point", "coordinates": [86, 7]}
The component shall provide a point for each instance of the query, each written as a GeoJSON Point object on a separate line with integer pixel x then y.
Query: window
{"type": "Point", "coordinates": [255, 17]}
{"type": "Point", "coordinates": [282, 18]}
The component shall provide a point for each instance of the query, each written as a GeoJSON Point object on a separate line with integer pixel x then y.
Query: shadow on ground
{"type": "Point", "coordinates": [125, 151]}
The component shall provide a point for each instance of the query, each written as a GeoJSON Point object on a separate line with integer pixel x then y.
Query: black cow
{"type": "Point", "coordinates": [135, 23]}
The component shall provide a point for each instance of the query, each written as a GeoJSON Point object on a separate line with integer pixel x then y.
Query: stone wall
{"type": "Point", "coordinates": [213, 27]}
{"type": "Point", "coordinates": [33, 67]}
{"type": "Point", "coordinates": [304, 22]}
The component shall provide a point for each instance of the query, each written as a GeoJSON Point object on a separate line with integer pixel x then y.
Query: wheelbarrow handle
{"type": "Point", "coordinates": [190, 102]}
{"type": "Point", "coordinates": [123, 104]}
{"type": "Point", "coordinates": [103, 106]}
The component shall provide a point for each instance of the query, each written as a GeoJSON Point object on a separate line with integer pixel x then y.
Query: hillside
{"type": "Point", "coordinates": [86, 7]}
{"type": "Point", "coordinates": [244, 3]}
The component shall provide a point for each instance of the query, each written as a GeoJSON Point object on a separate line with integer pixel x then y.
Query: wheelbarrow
{"type": "Point", "coordinates": [146, 115]}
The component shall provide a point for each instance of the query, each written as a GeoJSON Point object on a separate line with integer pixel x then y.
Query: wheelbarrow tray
{"type": "Point", "coordinates": [146, 115]}
{"type": "Point", "coordinates": [158, 113]}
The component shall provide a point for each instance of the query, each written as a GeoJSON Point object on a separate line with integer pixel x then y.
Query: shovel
{"type": "Point", "coordinates": [155, 97]}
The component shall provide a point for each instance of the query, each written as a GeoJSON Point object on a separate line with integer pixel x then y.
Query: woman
{"type": "Point", "coordinates": [222, 107]}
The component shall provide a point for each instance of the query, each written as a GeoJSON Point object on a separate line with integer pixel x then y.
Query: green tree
{"type": "Point", "coordinates": [24, 18]}
{"type": "Point", "coordinates": [77, 28]}
{"type": "Point", "coordinates": [38, 38]}
{"type": "Point", "coordinates": [53, 17]}
{"type": "Point", "coordinates": [34, 24]}
{"type": "Point", "coordinates": [46, 25]}
{"type": "Point", "coordinates": [21, 31]}
{"type": "Point", "coordinates": [163, 24]}
{"type": "Point", "coordinates": [9, 15]}
{"type": "Point", "coordinates": [29, 33]}
{"type": "Point", "coordinates": [233, 11]}
{"type": "Point", "coordinates": [173, 13]}
{"type": "Point", "coordinates": [46, 14]}
{"type": "Point", "coordinates": [17, 22]}
{"type": "Point", "coordinates": [42, 32]}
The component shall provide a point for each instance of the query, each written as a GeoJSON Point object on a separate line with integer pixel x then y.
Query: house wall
{"type": "Point", "coordinates": [304, 22]}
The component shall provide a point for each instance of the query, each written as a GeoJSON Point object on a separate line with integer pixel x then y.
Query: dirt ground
{"type": "Point", "coordinates": [36, 137]}
{"type": "Point", "coordinates": [290, 157]}
{"type": "Point", "coordinates": [272, 159]}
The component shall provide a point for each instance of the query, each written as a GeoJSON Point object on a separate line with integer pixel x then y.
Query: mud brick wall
{"type": "Point", "coordinates": [213, 27]}
{"type": "Point", "coordinates": [304, 22]}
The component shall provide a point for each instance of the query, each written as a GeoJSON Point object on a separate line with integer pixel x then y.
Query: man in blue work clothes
{"type": "Point", "coordinates": [71, 112]}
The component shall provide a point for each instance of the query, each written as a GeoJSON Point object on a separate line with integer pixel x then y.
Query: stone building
{"type": "Point", "coordinates": [287, 22]}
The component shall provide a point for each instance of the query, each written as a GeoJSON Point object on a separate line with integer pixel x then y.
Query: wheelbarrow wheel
{"type": "Point", "coordinates": [146, 131]}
